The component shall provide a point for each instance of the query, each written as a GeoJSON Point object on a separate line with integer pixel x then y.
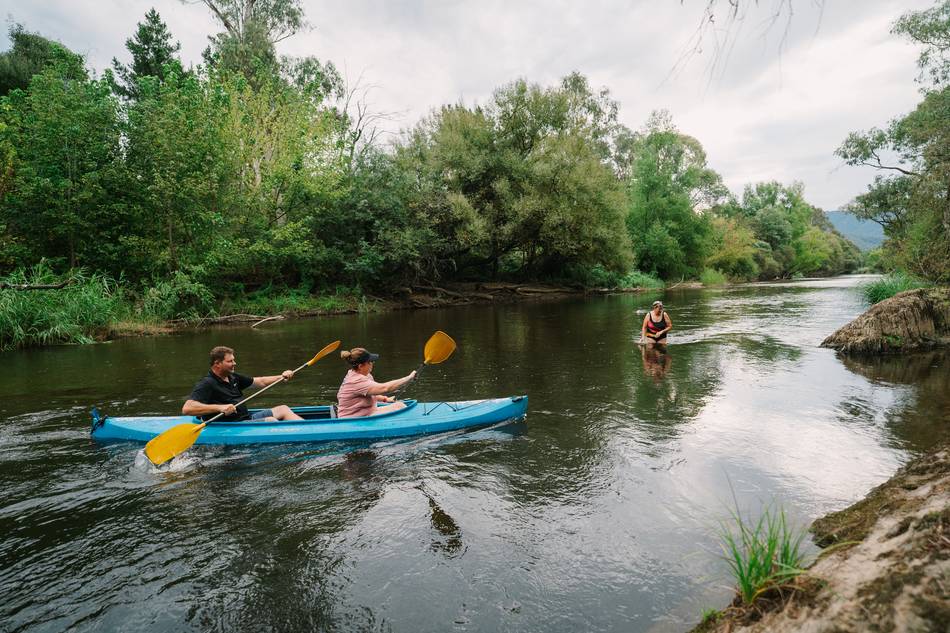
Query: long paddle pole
{"type": "Point", "coordinates": [439, 347]}
{"type": "Point", "coordinates": [179, 438]}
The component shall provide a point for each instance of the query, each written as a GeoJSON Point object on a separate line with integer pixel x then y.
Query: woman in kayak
{"type": "Point", "coordinates": [359, 394]}
{"type": "Point", "coordinates": [656, 324]}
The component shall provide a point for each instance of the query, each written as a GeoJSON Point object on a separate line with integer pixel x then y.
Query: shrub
{"type": "Point", "coordinates": [712, 277]}
{"type": "Point", "coordinates": [888, 286]}
{"type": "Point", "coordinates": [86, 306]}
{"type": "Point", "coordinates": [637, 279]}
{"type": "Point", "coordinates": [179, 297]}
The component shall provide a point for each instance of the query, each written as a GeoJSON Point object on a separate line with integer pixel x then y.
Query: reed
{"type": "Point", "coordinates": [889, 285]}
{"type": "Point", "coordinates": [762, 553]}
{"type": "Point", "coordinates": [76, 313]}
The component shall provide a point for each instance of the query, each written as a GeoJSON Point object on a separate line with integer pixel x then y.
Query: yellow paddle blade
{"type": "Point", "coordinates": [439, 347]}
{"type": "Point", "coordinates": [162, 448]}
{"type": "Point", "coordinates": [326, 350]}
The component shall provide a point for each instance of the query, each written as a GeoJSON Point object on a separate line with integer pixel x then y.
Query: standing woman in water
{"type": "Point", "coordinates": [656, 324]}
{"type": "Point", "coordinates": [359, 394]}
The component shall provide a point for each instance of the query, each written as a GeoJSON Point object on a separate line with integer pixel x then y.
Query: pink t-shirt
{"type": "Point", "coordinates": [352, 397]}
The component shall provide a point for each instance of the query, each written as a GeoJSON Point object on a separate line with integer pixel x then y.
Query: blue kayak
{"type": "Point", "coordinates": [319, 425]}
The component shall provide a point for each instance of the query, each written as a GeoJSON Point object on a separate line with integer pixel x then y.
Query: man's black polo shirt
{"type": "Point", "coordinates": [213, 390]}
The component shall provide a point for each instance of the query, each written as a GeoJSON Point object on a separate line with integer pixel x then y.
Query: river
{"type": "Point", "coordinates": [599, 512]}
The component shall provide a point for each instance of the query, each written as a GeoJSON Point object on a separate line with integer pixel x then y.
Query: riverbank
{"type": "Point", "coordinates": [95, 310]}
{"type": "Point", "coordinates": [885, 564]}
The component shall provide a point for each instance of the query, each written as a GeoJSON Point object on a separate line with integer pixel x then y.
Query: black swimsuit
{"type": "Point", "coordinates": [655, 326]}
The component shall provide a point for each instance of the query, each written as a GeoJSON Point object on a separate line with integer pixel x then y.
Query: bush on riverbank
{"type": "Point", "coordinates": [76, 313]}
{"type": "Point", "coordinates": [712, 277]}
{"type": "Point", "coordinates": [888, 286]}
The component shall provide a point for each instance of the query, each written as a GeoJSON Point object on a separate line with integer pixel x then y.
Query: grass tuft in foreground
{"type": "Point", "coordinates": [762, 554]}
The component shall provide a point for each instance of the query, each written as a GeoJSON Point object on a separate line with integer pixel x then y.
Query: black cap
{"type": "Point", "coordinates": [367, 357]}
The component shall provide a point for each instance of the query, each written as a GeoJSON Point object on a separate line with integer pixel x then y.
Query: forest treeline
{"type": "Point", "coordinates": [255, 174]}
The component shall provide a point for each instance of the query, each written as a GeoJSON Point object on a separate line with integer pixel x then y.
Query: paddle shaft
{"type": "Point", "coordinates": [254, 395]}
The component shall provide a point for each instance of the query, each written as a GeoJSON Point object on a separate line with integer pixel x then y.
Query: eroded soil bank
{"type": "Point", "coordinates": [885, 567]}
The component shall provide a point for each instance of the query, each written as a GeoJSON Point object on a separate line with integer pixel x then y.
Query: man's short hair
{"type": "Point", "coordinates": [219, 353]}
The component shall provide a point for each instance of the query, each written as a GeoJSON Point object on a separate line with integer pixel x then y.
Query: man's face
{"type": "Point", "coordinates": [226, 367]}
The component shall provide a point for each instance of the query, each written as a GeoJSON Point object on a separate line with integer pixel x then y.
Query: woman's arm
{"type": "Point", "coordinates": [643, 327]}
{"type": "Point", "coordinates": [380, 388]}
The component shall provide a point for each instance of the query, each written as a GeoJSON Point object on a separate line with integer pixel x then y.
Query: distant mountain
{"type": "Point", "coordinates": [866, 235]}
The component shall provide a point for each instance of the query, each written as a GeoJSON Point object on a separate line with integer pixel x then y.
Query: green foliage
{"type": "Point", "coordinates": [712, 277]}
{"type": "Point", "coordinates": [268, 301]}
{"type": "Point", "coordinates": [669, 184]}
{"type": "Point", "coordinates": [930, 27]}
{"type": "Point", "coordinates": [178, 297]}
{"type": "Point", "coordinates": [889, 285]}
{"type": "Point", "coordinates": [912, 205]}
{"type": "Point", "coordinates": [30, 55]}
{"type": "Point", "coordinates": [526, 179]}
{"type": "Point", "coordinates": [637, 279]}
{"type": "Point", "coordinates": [762, 553]}
{"type": "Point", "coordinates": [734, 251]}
{"type": "Point", "coordinates": [153, 55]}
{"type": "Point", "coordinates": [66, 135]}
{"type": "Point", "coordinates": [73, 314]}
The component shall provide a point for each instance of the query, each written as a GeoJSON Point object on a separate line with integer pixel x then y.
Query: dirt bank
{"type": "Point", "coordinates": [886, 566]}
{"type": "Point", "coordinates": [908, 321]}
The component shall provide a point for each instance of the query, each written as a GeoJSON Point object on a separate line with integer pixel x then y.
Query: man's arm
{"type": "Point", "coordinates": [193, 407]}
{"type": "Point", "coordinates": [263, 381]}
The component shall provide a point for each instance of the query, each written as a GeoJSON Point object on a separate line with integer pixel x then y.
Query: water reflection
{"type": "Point", "coordinates": [596, 513]}
{"type": "Point", "coordinates": [656, 361]}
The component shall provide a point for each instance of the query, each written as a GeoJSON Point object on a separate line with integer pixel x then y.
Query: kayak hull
{"type": "Point", "coordinates": [418, 418]}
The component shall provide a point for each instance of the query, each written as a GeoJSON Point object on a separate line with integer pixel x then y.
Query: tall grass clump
{"type": "Point", "coordinates": [637, 279]}
{"type": "Point", "coordinates": [712, 277]}
{"type": "Point", "coordinates": [87, 305]}
{"type": "Point", "coordinates": [762, 554]}
{"type": "Point", "coordinates": [889, 285]}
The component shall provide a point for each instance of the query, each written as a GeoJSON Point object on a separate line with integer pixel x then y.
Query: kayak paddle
{"type": "Point", "coordinates": [439, 347]}
{"type": "Point", "coordinates": [179, 438]}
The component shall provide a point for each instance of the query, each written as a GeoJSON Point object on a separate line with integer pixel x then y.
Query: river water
{"type": "Point", "coordinates": [599, 512]}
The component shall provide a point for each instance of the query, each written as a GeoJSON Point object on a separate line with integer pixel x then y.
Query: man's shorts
{"type": "Point", "coordinates": [263, 413]}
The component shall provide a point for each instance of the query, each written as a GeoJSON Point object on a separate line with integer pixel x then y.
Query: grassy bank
{"type": "Point", "coordinates": [39, 307]}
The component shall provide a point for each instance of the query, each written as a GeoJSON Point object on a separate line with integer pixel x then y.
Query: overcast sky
{"type": "Point", "coordinates": [774, 108]}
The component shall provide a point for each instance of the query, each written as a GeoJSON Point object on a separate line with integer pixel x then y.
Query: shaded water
{"type": "Point", "coordinates": [598, 513]}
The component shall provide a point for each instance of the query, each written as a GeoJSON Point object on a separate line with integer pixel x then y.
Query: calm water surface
{"type": "Point", "coordinates": [597, 513]}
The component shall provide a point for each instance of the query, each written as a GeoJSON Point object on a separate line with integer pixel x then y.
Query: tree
{"type": "Point", "coordinates": [30, 54]}
{"type": "Point", "coordinates": [670, 189]}
{"type": "Point", "coordinates": [929, 28]}
{"type": "Point", "coordinates": [522, 186]}
{"type": "Point", "coordinates": [153, 55]}
{"type": "Point", "coordinates": [66, 137]}
{"type": "Point", "coordinates": [251, 29]}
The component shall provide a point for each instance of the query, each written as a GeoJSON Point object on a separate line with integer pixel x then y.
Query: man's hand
{"type": "Point", "coordinates": [287, 374]}
{"type": "Point", "coordinates": [227, 409]}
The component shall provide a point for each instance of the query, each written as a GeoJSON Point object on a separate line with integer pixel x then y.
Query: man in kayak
{"type": "Point", "coordinates": [359, 394]}
{"type": "Point", "coordinates": [221, 390]}
{"type": "Point", "coordinates": [656, 324]}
